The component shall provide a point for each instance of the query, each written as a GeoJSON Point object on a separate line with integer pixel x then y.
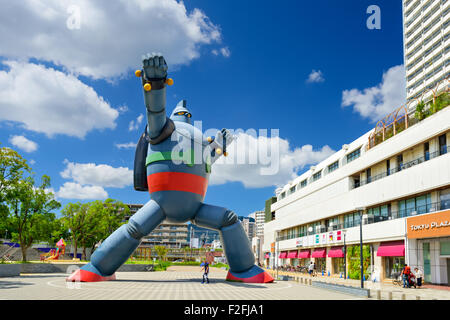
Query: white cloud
{"type": "Point", "coordinates": [123, 109]}
{"type": "Point", "coordinates": [315, 76]}
{"type": "Point", "coordinates": [134, 125]}
{"type": "Point", "coordinates": [111, 37]}
{"type": "Point", "coordinates": [377, 102]}
{"type": "Point", "coordinates": [223, 51]}
{"type": "Point", "coordinates": [51, 102]}
{"type": "Point", "coordinates": [98, 175]}
{"type": "Point", "coordinates": [129, 145]}
{"type": "Point", "coordinates": [288, 161]}
{"type": "Point", "coordinates": [23, 143]}
{"type": "Point", "coordinates": [32, 161]}
{"type": "Point", "coordinates": [72, 190]}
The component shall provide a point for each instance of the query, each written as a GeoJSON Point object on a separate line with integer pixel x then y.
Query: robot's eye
{"type": "Point", "coordinates": [189, 115]}
{"type": "Point", "coordinates": [181, 113]}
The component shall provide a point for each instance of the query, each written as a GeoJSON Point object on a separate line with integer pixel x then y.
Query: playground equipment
{"type": "Point", "coordinates": [54, 254]}
{"type": "Point", "coordinates": [173, 162]}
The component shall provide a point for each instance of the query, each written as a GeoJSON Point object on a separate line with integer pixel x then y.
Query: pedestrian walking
{"type": "Point", "coordinates": [311, 268]}
{"type": "Point", "coordinates": [406, 273]}
{"type": "Point", "coordinates": [205, 272]}
{"type": "Point", "coordinates": [418, 273]}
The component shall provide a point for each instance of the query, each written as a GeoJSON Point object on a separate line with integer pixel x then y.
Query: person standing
{"type": "Point", "coordinates": [406, 272]}
{"type": "Point", "coordinates": [419, 275]}
{"type": "Point", "coordinates": [206, 271]}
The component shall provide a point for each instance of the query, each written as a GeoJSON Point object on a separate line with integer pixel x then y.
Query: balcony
{"type": "Point", "coordinates": [403, 166]}
{"type": "Point", "coordinates": [369, 220]}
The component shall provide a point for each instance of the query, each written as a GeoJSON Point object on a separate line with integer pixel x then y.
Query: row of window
{"type": "Point", "coordinates": [405, 208]}
{"type": "Point", "coordinates": [316, 176]}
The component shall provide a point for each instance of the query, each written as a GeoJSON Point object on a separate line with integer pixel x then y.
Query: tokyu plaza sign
{"type": "Point", "coordinates": [429, 225]}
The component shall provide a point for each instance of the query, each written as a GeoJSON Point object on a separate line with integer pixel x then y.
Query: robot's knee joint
{"type": "Point", "coordinates": [229, 218]}
{"type": "Point", "coordinates": [133, 230]}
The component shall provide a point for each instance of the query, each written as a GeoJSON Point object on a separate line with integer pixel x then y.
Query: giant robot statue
{"type": "Point", "coordinates": [176, 176]}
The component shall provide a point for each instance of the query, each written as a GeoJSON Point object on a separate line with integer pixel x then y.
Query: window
{"type": "Point", "coordinates": [369, 175]}
{"type": "Point", "coordinates": [333, 166]}
{"type": "Point", "coordinates": [353, 155]}
{"type": "Point", "coordinates": [442, 144]}
{"type": "Point", "coordinates": [421, 204]}
{"type": "Point", "coordinates": [303, 183]}
{"type": "Point", "coordinates": [317, 176]}
{"type": "Point", "coordinates": [444, 196]}
{"type": "Point", "coordinates": [426, 151]}
{"type": "Point", "coordinates": [388, 167]}
{"type": "Point", "coordinates": [399, 162]}
{"type": "Point", "coordinates": [283, 194]}
{"type": "Point", "coordinates": [292, 189]}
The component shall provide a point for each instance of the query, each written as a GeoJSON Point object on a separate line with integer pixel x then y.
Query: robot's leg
{"type": "Point", "coordinates": [118, 247]}
{"type": "Point", "coordinates": [235, 243]}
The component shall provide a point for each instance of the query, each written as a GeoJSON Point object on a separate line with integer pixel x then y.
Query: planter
{"type": "Point", "coordinates": [9, 270]}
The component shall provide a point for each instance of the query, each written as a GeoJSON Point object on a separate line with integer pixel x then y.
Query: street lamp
{"type": "Point", "coordinates": [277, 253]}
{"type": "Point", "coordinates": [361, 209]}
{"type": "Point", "coordinates": [344, 232]}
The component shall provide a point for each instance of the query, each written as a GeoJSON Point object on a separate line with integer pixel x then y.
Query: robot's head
{"type": "Point", "coordinates": [181, 113]}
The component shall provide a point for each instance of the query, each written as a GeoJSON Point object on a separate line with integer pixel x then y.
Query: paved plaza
{"type": "Point", "coordinates": [175, 284]}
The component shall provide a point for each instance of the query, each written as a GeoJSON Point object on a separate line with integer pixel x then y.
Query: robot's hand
{"type": "Point", "coordinates": [223, 137]}
{"type": "Point", "coordinates": [154, 66]}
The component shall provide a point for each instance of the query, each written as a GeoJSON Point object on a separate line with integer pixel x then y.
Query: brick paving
{"type": "Point", "coordinates": [181, 283]}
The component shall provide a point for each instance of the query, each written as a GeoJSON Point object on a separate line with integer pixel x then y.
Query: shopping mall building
{"type": "Point", "coordinates": [397, 178]}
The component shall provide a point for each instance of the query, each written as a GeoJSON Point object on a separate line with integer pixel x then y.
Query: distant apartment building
{"type": "Point", "coordinates": [201, 237]}
{"type": "Point", "coordinates": [259, 217]}
{"type": "Point", "coordinates": [426, 40]}
{"type": "Point", "coordinates": [249, 226]}
{"type": "Point", "coordinates": [170, 235]}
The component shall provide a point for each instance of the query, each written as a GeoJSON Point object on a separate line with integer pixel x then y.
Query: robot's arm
{"type": "Point", "coordinates": [154, 81]}
{"type": "Point", "coordinates": [219, 144]}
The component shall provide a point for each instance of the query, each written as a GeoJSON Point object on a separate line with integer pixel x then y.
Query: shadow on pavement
{"type": "Point", "coordinates": [197, 280]}
{"type": "Point", "coordinates": [13, 284]}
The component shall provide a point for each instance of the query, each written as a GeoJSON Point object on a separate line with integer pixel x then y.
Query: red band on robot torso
{"type": "Point", "coordinates": [177, 181]}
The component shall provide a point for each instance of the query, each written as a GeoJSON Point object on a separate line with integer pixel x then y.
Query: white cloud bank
{"type": "Point", "coordinates": [377, 102]}
{"type": "Point", "coordinates": [98, 174]}
{"type": "Point", "coordinates": [72, 190]}
{"type": "Point", "coordinates": [135, 124]}
{"type": "Point", "coordinates": [103, 39]}
{"type": "Point", "coordinates": [51, 102]}
{"type": "Point", "coordinates": [129, 145]}
{"type": "Point", "coordinates": [23, 143]}
{"type": "Point", "coordinates": [90, 179]}
{"type": "Point", "coordinates": [286, 161]}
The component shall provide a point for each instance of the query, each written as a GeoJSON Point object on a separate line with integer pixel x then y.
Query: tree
{"type": "Point", "coordinates": [74, 219]}
{"type": "Point", "coordinates": [31, 214]}
{"type": "Point", "coordinates": [161, 251]}
{"type": "Point", "coordinates": [12, 169]}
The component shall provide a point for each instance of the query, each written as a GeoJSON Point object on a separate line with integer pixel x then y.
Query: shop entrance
{"type": "Point", "coordinates": [320, 264]}
{"type": "Point", "coordinates": [338, 265]}
{"type": "Point", "coordinates": [393, 266]}
{"type": "Point", "coordinates": [448, 271]}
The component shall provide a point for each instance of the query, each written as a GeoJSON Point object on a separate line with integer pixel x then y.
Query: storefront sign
{"type": "Point", "coordinates": [299, 243]}
{"type": "Point", "coordinates": [429, 225]}
{"type": "Point", "coordinates": [330, 237]}
{"type": "Point", "coordinates": [317, 239]}
{"type": "Point", "coordinates": [338, 235]}
{"type": "Point", "coordinates": [272, 247]}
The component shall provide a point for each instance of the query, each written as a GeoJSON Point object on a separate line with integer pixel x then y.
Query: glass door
{"type": "Point", "coordinates": [426, 262]}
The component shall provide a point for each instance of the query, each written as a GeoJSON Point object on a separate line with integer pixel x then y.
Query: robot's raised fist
{"type": "Point", "coordinates": [154, 66]}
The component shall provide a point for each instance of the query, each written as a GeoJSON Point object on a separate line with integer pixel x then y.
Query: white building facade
{"type": "Point", "coordinates": [426, 38]}
{"type": "Point", "coordinates": [401, 177]}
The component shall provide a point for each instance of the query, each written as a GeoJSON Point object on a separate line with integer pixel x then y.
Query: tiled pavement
{"type": "Point", "coordinates": [427, 292]}
{"type": "Point", "coordinates": [182, 284]}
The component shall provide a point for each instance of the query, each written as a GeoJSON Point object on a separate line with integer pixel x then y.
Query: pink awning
{"type": "Point", "coordinates": [319, 253]}
{"type": "Point", "coordinates": [391, 249]}
{"type": "Point", "coordinates": [266, 256]}
{"type": "Point", "coordinates": [336, 252]}
{"type": "Point", "coordinates": [304, 254]}
{"type": "Point", "coordinates": [283, 255]}
{"type": "Point", "coordinates": [292, 255]}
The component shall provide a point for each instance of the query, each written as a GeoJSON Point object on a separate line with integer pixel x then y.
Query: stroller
{"type": "Point", "coordinates": [412, 280]}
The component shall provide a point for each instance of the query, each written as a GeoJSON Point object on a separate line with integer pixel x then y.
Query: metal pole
{"type": "Point", "coordinates": [361, 248]}
{"type": "Point", "coordinates": [277, 253]}
{"type": "Point", "coordinates": [345, 259]}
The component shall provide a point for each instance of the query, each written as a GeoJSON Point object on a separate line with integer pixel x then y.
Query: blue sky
{"type": "Point", "coordinates": [248, 68]}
